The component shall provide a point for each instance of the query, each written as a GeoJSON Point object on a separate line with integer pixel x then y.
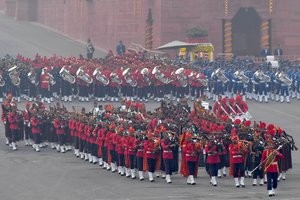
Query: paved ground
{"type": "Point", "coordinates": [28, 38]}
{"type": "Point", "coordinates": [27, 175]}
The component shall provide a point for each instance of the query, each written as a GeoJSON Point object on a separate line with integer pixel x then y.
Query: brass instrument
{"type": "Point", "coordinates": [32, 77]}
{"type": "Point", "coordinates": [67, 76]}
{"type": "Point", "coordinates": [283, 77]}
{"type": "Point", "coordinates": [14, 76]}
{"type": "Point", "coordinates": [100, 77]}
{"type": "Point", "coordinates": [219, 73]}
{"type": "Point", "coordinates": [115, 78]}
{"type": "Point", "coordinates": [128, 77]}
{"type": "Point", "coordinates": [203, 81]}
{"type": "Point", "coordinates": [84, 76]}
{"type": "Point", "coordinates": [145, 73]}
{"type": "Point", "coordinates": [268, 159]}
{"type": "Point", "coordinates": [261, 76]}
{"type": "Point", "coordinates": [52, 79]}
{"type": "Point", "coordinates": [160, 76]}
{"type": "Point", "coordinates": [2, 81]}
{"type": "Point", "coordinates": [241, 76]}
{"type": "Point", "coordinates": [181, 78]}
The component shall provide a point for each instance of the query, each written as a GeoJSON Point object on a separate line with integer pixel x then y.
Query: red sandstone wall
{"type": "Point", "coordinates": [106, 21]}
{"type": "Point", "coordinates": [2, 4]}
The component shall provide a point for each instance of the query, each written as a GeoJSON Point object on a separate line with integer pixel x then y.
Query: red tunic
{"type": "Point", "coordinates": [150, 149]}
{"type": "Point", "coordinates": [45, 81]}
{"type": "Point", "coordinates": [190, 151]}
{"type": "Point", "coordinates": [167, 150]}
{"type": "Point", "coordinates": [13, 121]}
{"type": "Point", "coordinates": [59, 126]}
{"type": "Point", "coordinates": [35, 122]}
{"type": "Point", "coordinates": [272, 167]}
{"type": "Point", "coordinates": [140, 148]}
{"type": "Point", "coordinates": [237, 156]}
{"type": "Point", "coordinates": [212, 154]}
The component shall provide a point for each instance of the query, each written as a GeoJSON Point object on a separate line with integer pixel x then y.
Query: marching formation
{"type": "Point", "coordinates": [130, 141]}
{"type": "Point", "coordinates": [141, 76]}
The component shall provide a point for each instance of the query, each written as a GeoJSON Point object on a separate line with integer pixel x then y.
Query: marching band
{"type": "Point", "coordinates": [129, 140]}
{"type": "Point", "coordinates": [142, 76]}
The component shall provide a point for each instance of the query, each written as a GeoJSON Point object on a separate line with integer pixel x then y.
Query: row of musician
{"type": "Point", "coordinates": [180, 76]}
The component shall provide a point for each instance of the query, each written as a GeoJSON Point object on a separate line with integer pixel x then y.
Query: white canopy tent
{"type": "Point", "coordinates": [176, 44]}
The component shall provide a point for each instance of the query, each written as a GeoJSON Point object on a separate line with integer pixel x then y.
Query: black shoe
{"type": "Point", "coordinates": [243, 186]}
{"type": "Point", "coordinates": [237, 186]}
{"type": "Point", "coordinates": [193, 183]}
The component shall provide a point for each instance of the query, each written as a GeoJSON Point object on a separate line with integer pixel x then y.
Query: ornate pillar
{"type": "Point", "coordinates": [227, 36]}
{"type": "Point", "coordinates": [265, 34]}
{"type": "Point", "coordinates": [149, 31]}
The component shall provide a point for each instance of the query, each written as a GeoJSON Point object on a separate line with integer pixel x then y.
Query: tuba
{"type": "Point", "coordinates": [84, 76]}
{"type": "Point", "coordinates": [145, 73]}
{"type": "Point", "coordinates": [203, 81]}
{"type": "Point", "coordinates": [128, 78]}
{"type": "Point", "coordinates": [32, 77]}
{"type": "Point", "coordinates": [219, 73]}
{"type": "Point", "coordinates": [52, 80]}
{"type": "Point", "coordinates": [283, 77]}
{"type": "Point", "coordinates": [14, 76]}
{"type": "Point", "coordinates": [261, 76]}
{"type": "Point", "coordinates": [67, 76]}
{"type": "Point", "coordinates": [241, 76]}
{"type": "Point", "coordinates": [160, 76]}
{"type": "Point", "coordinates": [115, 78]}
{"type": "Point", "coordinates": [2, 81]}
{"type": "Point", "coordinates": [100, 77]}
{"type": "Point", "coordinates": [181, 78]}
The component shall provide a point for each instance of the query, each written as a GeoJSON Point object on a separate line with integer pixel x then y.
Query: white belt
{"type": "Point", "coordinates": [237, 156]}
{"type": "Point", "coordinates": [167, 151]}
{"type": "Point", "coordinates": [189, 155]}
{"type": "Point", "coordinates": [149, 152]}
{"type": "Point", "coordinates": [140, 149]}
{"type": "Point", "coordinates": [274, 163]}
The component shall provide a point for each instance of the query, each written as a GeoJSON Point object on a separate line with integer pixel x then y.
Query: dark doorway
{"type": "Point", "coordinates": [246, 32]}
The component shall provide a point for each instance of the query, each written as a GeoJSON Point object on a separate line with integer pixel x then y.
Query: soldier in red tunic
{"type": "Point", "coordinates": [45, 85]}
{"type": "Point", "coordinates": [270, 158]}
{"type": "Point", "coordinates": [238, 153]}
{"type": "Point", "coordinates": [13, 119]}
{"type": "Point", "coordinates": [35, 123]}
{"type": "Point", "coordinates": [213, 160]}
{"type": "Point", "coordinates": [168, 157]}
{"type": "Point", "coordinates": [27, 131]}
{"type": "Point", "coordinates": [190, 157]}
{"type": "Point", "coordinates": [59, 125]}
